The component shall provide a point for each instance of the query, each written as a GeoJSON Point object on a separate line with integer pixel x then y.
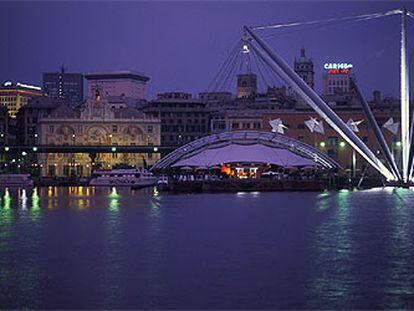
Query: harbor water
{"type": "Point", "coordinates": [116, 248]}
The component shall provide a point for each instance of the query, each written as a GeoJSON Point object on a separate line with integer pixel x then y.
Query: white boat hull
{"type": "Point", "coordinates": [15, 181]}
{"type": "Point", "coordinates": [114, 182]}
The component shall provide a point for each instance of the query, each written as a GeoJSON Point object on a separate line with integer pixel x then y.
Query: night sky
{"type": "Point", "coordinates": [181, 45]}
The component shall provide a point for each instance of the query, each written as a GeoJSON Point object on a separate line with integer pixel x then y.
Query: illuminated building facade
{"type": "Point", "coordinates": [330, 142]}
{"type": "Point", "coordinates": [215, 96]}
{"type": "Point", "coordinates": [336, 81]}
{"type": "Point", "coordinates": [28, 119]}
{"type": "Point", "coordinates": [95, 123]}
{"type": "Point", "coordinates": [13, 96]}
{"type": "Point", "coordinates": [246, 85]}
{"type": "Point", "coordinates": [125, 84]}
{"type": "Point", "coordinates": [4, 125]}
{"type": "Point", "coordinates": [234, 120]}
{"type": "Point", "coordinates": [183, 118]}
{"type": "Point", "coordinates": [65, 86]}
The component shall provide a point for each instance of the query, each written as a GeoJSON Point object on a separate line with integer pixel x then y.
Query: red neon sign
{"type": "Point", "coordinates": [338, 71]}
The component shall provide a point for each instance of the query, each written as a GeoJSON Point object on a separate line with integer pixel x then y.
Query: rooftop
{"type": "Point", "coordinates": [122, 74]}
{"type": "Point", "coordinates": [8, 85]}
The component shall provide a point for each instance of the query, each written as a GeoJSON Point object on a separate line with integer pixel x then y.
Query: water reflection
{"type": "Point", "coordinates": [20, 232]}
{"type": "Point", "coordinates": [6, 199]}
{"type": "Point", "coordinates": [114, 200]}
{"type": "Point", "coordinates": [400, 273]}
{"type": "Point", "coordinates": [112, 286]}
{"type": "Point", "coordinates": [24, 199]}
{"type": "Point", "coordinates": [127, 248]}
{"type": "Point", "coordinates": [6, 240]}
{"type": "Point", "coordinates": [324, 200]}
{"type": "Point", "coordinates": [332, 250]}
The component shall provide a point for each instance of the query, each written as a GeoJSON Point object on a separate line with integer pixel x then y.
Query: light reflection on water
{"type": "Point", "coordinates": [113, 260]}
{"type": "Point", "coordinates": [116, 248]}
{"type": "Point", "coordinates": [400, 277]}
{"type": "Point", "coordinates": [332, 251]}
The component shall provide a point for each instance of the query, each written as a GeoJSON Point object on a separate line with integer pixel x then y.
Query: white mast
{"type": "Point", "coordinates": [405, 97]}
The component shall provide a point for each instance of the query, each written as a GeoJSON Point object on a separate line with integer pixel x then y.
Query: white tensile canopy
{"type": "Point", "coordinates": [255, 153]}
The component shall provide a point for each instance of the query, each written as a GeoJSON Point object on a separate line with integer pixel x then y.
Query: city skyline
{"type": "Point", "coordinates": [187, 57]}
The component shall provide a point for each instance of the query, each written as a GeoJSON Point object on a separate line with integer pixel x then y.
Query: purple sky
{"type": "Point", "coordinates": [181, 45]}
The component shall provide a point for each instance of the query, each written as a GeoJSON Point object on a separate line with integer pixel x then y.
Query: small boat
{"type": "Point", "coordinates": [15, 181]}
{"type": "Point", "coordinates": [162, 183]}
{"type": "Point", "coordinates": [136, 178]}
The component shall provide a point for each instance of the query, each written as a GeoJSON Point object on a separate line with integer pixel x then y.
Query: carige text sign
{"type": "Point", "coordinates": [338, 68]}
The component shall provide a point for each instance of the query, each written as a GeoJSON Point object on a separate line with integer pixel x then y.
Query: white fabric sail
{"type": "Point", "coordinates": [315, 125]}
{"type": "Point", "coordinates": [391, 126]}
{"type": "Point", "coordinates": [353, 125]}
{"type": "Point", "coordinates": [277, 126]}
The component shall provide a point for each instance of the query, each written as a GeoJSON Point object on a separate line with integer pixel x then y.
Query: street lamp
{"type": "Point", "coordinates": [322, 144]}
{"type": "Point", "coordinates": [342, 144]}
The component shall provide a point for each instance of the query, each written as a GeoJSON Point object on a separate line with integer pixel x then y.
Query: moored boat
{"type": "Point", "coordinates": [15, 181]}
{"type": "Point", "coordinates": [123, 178]}
{"type": "Point", "coordinates": [163, 183]}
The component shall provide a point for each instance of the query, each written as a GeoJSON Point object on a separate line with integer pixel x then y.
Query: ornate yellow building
{"type": "Point", "coordinates": [95, 123]}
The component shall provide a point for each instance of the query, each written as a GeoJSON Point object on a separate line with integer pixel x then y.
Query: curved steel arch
{"type": "Point", "coordinates": [269, 139]}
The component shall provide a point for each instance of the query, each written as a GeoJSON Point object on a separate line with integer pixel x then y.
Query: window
{"type": "Point", "coordinates": [66, 170]}
{"type": "Point", "coordinates": [332, 153]}
{"type": "Point", "coordinates": [150, 129]}
{"type": "Point", "coordinates": [51, 129]}
{"type": "Point", "coordinates": [115, 128]}
{"type": "Point", "coordinates": [332, 141]}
